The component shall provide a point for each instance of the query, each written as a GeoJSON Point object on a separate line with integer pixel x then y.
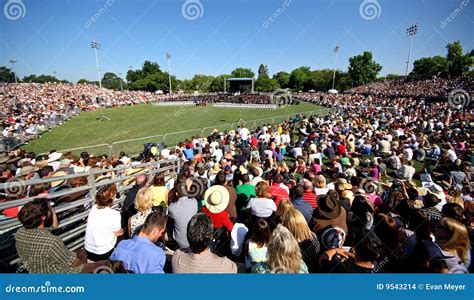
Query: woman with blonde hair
{"type": "Point", "coordinates": [320, 187]}
{"type": "Point", "coordinates": [284, 255]}
{"type": "Point", "coordinates": [284, 205]}
{"type": "Point", "coordinates": [452, 236]}
{"type": "Point", "coordinates": [307, 240]}
{"type": "Point", "coordinates": [144, 207]}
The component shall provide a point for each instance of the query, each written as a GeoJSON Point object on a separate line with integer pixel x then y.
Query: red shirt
{"type": "Point", "coordinates": [341, 149]}
{"type": "Point", "coordinates": [219, 219]}
{"type": "Point", "coordinates": [310, 197]}
{"type": "Point", "coordinates": [254, 141]}
{"type": "Point", "coordinates": [278, 192]}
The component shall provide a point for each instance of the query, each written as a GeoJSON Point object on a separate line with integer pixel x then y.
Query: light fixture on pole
{"type": "Point", "coordinates": [121, 85]}
{"type": "Point", "coordinates": [168, 57]}
{"type": "Point", "coordinates": [96, 46]}
{"type": "Point", "coordinates": [411, 32]}
{"type": "Point", "coordinates": [336, 51]}
{"type": "Point", "coordinates": [13, 61]}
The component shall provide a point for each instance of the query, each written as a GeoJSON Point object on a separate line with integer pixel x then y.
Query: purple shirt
{"type": "Point", "coordinates": [140, 255]}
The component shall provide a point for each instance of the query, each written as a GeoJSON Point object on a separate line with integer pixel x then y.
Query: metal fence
{"type": "Point", "coordinates": [72, 215]}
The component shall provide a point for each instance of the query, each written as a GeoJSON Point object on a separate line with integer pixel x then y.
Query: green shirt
{"type": "Point", "coordinates": [244, 193]}
{"type": "Point", "coordinates": [43, 252]}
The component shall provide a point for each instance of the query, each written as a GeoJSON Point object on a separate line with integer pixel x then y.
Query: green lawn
{"type": "Point", "coordinates": [146, 120]}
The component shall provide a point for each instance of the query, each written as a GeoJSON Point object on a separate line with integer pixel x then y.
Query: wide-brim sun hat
{"type": "Point", "coordinates": [328, 208]}
{"type": "Point", "coordinates": [216, 198]}
{"type": "Point", "coordinates": [58, 182]}
{"type": "Point", "coordinates": [435, 190]}
{"type": "Point", "coordinates": [54, 156]}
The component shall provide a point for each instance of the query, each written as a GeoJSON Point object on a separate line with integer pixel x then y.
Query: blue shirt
{"type": "Point", "coordinates": [304, 207]}
{"type": "Point", "coordinates": [189, 154]}
{"type": "Point", "coordinates": [140, 255]}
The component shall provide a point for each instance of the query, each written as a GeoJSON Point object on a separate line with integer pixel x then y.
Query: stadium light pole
{"type": "Point", "coordinates": [13, 61]}
{"type": "Point", "coordinates": [96, 46]}
{"type": "Point", "coordinates": [168, 57]}
{"type": "Point", "coordinates": [411, 32]}
{"type": "Point", "coordinates": [336, 51]}
{"type": "Point", "coordinates": [121, 86]}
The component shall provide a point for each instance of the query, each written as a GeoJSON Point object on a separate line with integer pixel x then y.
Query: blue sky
{"type": "Point", "coordinates": [55, 35]}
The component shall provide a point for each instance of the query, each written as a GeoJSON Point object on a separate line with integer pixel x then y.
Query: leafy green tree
{"type": "Point", "coordinates": [427, 67]}
{"type": "Point", "coordinates": [111, 81]}
{"type": "Point", "coordinates": [263, 71]}
{"type": "Point", "coordinates": [283, 79]}
{"type": "Point", "coordinates": [6, 75]}
{"type": "Point", "coordinates": [85, 81]}
{"type": "Point", "coordinates": [41, 79]}
{"type": "Point", "coordinates": [363, 69]}
{"type": "Point", "coordinates": [243, 73]}
{"type": "Point", "coordinates": [217, 84]}
{"type": "Point", "coordinates": [265, 84]}
{"type": "Point", "coordinates": [458, 64]}
{"type": "Point", "coordinates": [300, 79]}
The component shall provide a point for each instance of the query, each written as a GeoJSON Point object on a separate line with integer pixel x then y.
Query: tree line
{"type": "Point", "coordinates": [363, 69]}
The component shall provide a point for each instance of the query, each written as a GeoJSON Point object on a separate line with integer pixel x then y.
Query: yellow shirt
{"type": "Point", "coordinates": [159, 195]}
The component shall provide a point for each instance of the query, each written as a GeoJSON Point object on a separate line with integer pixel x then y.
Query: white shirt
{"type": "Point", "coordinates": [101, 225]}
{"type": "Point", "coordinates": [452, 155]}
{"type": "Point", "coordinates": [244, 133]}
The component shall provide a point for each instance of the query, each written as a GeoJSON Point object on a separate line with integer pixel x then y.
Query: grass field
{"type": "Point", "coordinates": [146, 120]}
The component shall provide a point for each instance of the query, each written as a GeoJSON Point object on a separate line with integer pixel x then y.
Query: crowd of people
{"type": "Point", "coordinates": [226, 98]}
{"type": "Point", "coordinates": [29, 109]}
{"type": "Point", "coordinates": [380, 185]}
{"type": "Point", "coordinates": [429, 88]}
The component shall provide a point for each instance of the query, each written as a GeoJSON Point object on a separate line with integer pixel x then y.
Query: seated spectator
{"type": "Point", "coordinates": [39, 250]}
{"type": "Point", "coordinates": [277, 190]}
{"type": "Point", "coordinates": [256, 247]}
{"type": "Point", "coordinates": [452, 236]}
{"type": "Point", "coordinates": [144, 207]}
{"type": "Point", "coordinates": [307, 240]}
{"type": "Point", "coordinates": [180, 212]}
{"type": "Point", "coordinates": [284, 254]}
{"type": "Point", "coordinates": [328, 212]}
{"type": "Point", "coordinates": [365, 252]}
{"type": "Point", "coordinates": [262, 205]}
{"type": "Point", "coordinates": [303, 206]}
{"type": "Point", "coordinates": [159, 192]}
{"type": "Point", "coordinates": [199, 259]}
{"type": "Point", "coordinates": [216, 200]}
{"type": "Point", "coordinates": [140, 254]}
{"type": "Point", "coordinates": [103, 225]}
{"type": "Point", "coordinates": [309, 195]}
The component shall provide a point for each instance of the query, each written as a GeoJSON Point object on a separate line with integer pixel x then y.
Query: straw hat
{"type": "Point", "coordinates": [215, 168]}
{"type": "Point", "coordinates": [216, 198]}
{"type": "Point", "coordinates": [27, 170]}
{"type": "Point", "coordinates": [131, 172]}
{"type": "Point", "coordinates": [58, 182]}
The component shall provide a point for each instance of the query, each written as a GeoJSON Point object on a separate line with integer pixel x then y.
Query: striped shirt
{"type": "Point", "coordinates": [310, 197]}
